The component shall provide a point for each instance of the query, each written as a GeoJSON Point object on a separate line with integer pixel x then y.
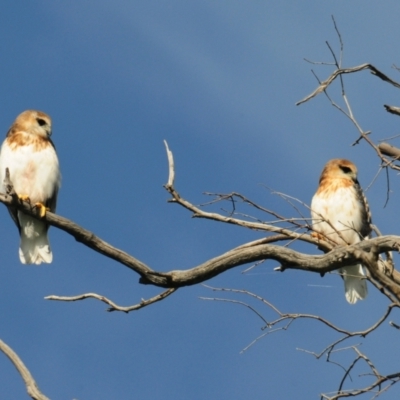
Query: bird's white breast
{"type": "Point", "coordinates": [33, 172]}
{"type": "Point", "coordinates": [343, 210]}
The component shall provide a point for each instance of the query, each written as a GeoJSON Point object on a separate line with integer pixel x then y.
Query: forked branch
{"type": "Point", "coordinates": [247, 253]}
{"type": "Point", "coordinates": [324, 84]}
{"type": "Point", "coordinates": [382, 150]}
{"type": "Point", "coordinates": [284, 320]}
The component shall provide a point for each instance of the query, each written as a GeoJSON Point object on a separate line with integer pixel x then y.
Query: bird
{"type": "Point", "coordinates": [340, 214]}
{"type": "Point", "coordinates": [31, 159]}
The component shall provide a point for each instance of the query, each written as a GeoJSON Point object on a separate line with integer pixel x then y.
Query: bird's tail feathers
{"type": "Point", "coordinates": [355, 284]}
{"type": "Point", "coordinates": [34, 247]}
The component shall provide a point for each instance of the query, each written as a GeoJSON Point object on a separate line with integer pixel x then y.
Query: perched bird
{"type": "Point", "coordinates": [30, 156]}
{"type": "Point", "coordinates": [340, 214]}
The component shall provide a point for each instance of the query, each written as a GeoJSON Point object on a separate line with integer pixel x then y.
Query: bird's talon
{"type": "Point", "coordinates": [317, 236]}
{"type": "Point", "coordinates": [24, 197]}
{"type": "Point", "coordinates": [41, 209]}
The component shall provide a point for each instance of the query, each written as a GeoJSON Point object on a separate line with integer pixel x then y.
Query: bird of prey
{"type": "Point", "coordinates": [30, 156]}
{"type": "Point", "coordinates": [340, 214]}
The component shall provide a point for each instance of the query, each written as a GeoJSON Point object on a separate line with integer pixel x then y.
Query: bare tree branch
{"type": "Point", "coordinates": [381, 150]}
{"type": "Point", "coordinates": [392, 109]}
{"type": "Point", "coordinates": [114, 306]}
{"type": "Point", "coordinates": [290, 317]}
{"type": "Point", "coordinates": [389, 150]}
{"type": "Point", "coordinates": [377, 384]}
{"type": "Point", "coordinates": [285, 320]}
{"type": "Point", "coordinates": [171, 175]}
{"type": "Point", "coordinates": [31, 385]}
{"type": "Point", "coordinates": [244, 254]}
{"type": "Point", "coordinates": [324, 84]}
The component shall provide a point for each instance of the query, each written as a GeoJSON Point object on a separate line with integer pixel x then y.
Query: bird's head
{"type": "Point", "coordinates": [34, 122]}
{"type": "Point", "coordinates": [339, 168]}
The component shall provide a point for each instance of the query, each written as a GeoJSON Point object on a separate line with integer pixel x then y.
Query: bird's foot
{"type": "Point", "coordinates": [41, 209]}
{"type": "Point", "coordinates": [24, 197]}
{"type": "Point", "coordinates": [317, 236]}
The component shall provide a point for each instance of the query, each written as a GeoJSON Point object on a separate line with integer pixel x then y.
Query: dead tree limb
{"type": "Point", "coordinates": [324, 84]}
{"type": "Point", "coordinates": [114, 306]}
{"type": "Point", "coordinates": [244, 254]}
{"type": "Point", "coordinates": [31, 385]}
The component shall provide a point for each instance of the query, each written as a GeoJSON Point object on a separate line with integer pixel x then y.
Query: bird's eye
{"type": "Point", "coordinates": [41, 121]}
{"type": "Point", "coordinates": [346, 170]}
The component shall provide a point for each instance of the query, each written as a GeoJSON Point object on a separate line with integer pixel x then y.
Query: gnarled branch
{"type": "Point", "coordinates": [244, 254]}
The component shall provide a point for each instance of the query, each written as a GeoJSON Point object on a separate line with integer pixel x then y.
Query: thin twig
{"type": "Point", "coordinates": [114, 306]}
{"type": "Point", "coordinates": [341, 71]}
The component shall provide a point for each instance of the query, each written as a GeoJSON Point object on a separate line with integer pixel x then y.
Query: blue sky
{"type": "Point", "coordinates": [219, 81]}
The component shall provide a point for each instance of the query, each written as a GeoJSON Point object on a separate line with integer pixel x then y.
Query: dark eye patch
{"type": "Point", "coordinates": [41, 121]}
{"type": "Point", "coordinates": [346, 170]}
